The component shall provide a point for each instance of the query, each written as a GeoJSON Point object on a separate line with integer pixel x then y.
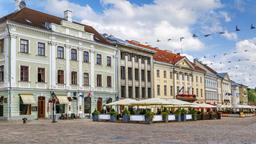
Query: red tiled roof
{"type": "Point", "coordinates": [38, 19]}
{"type": "Point", "coordinates": [161, 55]}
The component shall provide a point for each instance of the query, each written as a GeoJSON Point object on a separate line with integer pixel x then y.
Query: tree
{"type": "Point", "coordinates": [251, 96]}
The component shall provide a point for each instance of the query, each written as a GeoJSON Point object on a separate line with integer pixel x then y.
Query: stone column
{"type": "Point", "coordinates": [68, 73]}
{"type": "Point", "coordinates": [52, 62]}
{"type": "Point", "coordinates": [126, 77]}
{"type": "Point", "coordinates": [146, 78]}
{"type": "Point", "coordinates": [13, 54]}
{"type": "Point", "coordinates": [6, 61]}
{"type": "Point", "coordinates": [133, 78]}
{"type": "Point", "coordinates": [80, 68]}
{"type": "Point", "coordinates": [140, 88]}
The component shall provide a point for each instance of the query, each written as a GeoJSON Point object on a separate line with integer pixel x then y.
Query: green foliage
{"type": "Point", "coordinates": [183, 111]}
{"type": "Point", "coordinates": [165, 114]}
{"type": "Point", "coordinates": [251, 96]}
{"type": "Point", "coordinates": [178, 111]}
{"type": "Point", "coordinates": [192, 111]}
{"type": "Point", "coordinates": [126, 112]}
{"type": "Point", "coordinates": [95, 112]}
{"type": "Point", "coordinates": [113, 112]}
{"type": "Point", "coordinates": [149, 114]}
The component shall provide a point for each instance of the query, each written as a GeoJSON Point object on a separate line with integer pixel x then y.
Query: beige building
{"type": "Point", "coordinates": [224, 88]}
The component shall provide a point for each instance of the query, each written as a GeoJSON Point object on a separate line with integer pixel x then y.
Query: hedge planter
{"type": "Point", "coordinates": [194, 117]}
{"type": "Point", "coordinates": [95, 117]}
{"type": "Point", "coordinates": [165, 119]}
{"type": "Point", "coordinates": [178, 118]}
{"type": "Point", "coordinates": [183, 117]}
{"type": "Point", "coordinates": [113, 118]}
{"type": "Point", "coordinates": [148, 120]}
{"type": "Point", "coordinates": [126, 118]}
{"type": "Point", "coordinates": [199, 117]}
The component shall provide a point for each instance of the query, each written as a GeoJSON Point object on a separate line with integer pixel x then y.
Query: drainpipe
{"type": "Point", "coordinates": [9, 70]}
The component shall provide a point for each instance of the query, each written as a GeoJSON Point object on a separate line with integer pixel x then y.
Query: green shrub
{"type": "Point", "coordinates": [149, 114]}
{"type": "Point", "coordinates": [95, 112]}
{"type": "Point", "coordinates": [165, 114]}
{"type": "Point", "coordinates": [113, 112]}
{"type": "Point", "coordinates": [178, 111]}
{"type": "Point", "coordinates": [126, 112]}
{"type": "Point", "coordinates": [193, 112]}
{"type": "Point", "coordinates": [183, 111]}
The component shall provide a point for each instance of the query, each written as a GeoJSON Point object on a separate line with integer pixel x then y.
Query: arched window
{"type": "Point", "coordinates": [73, 54]}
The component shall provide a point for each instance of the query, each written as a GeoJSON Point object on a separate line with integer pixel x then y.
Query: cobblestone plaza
{"type": "Point", "coordinates": [227, 130]}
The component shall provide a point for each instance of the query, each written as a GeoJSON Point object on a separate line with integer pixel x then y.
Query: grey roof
{"type": "Point", "coordinates": [222, 75]}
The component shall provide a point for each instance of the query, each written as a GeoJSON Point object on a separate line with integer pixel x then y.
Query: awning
{"type": "Point", "coordinates": [63, 99]}
{"type": "Point", "coordinates": [27, 99]}
{"type": "Point", "coordinates": [124, 102]}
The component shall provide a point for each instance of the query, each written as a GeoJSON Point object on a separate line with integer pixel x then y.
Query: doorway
{"type": "Point", "coordinates": [41, 107]}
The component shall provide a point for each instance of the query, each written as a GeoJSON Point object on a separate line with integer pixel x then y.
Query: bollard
{"type": "Point", "coordinates": [24, 120]}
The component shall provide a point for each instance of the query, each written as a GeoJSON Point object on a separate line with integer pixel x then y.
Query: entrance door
{"type": "Point", "coordinates": [41, 107]}
{"type": "Point", "coordinates": [87, 105]}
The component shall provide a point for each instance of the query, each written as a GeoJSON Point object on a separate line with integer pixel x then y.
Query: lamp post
{"type": "Point", "coordinates": [53, 95]}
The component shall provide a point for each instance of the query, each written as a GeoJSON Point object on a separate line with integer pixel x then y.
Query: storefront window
{"type": "Point", "coordinates": [60, 108]}
{"type": "Point", "coordinates": [25, 109]}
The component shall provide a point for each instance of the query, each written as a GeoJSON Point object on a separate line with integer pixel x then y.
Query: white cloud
{"type": "Point", "coordinates": [225, 15]}
{"type": "Point", "coordinates": [146, 23]}
{"type": "Point", "coordinates": [230, 35]}
{"type": "Point", "coordinates": [239, 63]}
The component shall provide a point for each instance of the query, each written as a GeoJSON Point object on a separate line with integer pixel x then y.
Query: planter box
{"type": "Point", "coordinates": [183, 117]}
{"type": "Point", "coordinates": [171, 117]}
{"type": "Point", "coordinates": [188, 116]}
{"type": "Point", "coordinates": [138, 118]}
{"type": "Point", "coordinates": [157, 118]}
{"type": "Point", "coordinates": [125, 118]}
{"type": "Point", "coordinates": [178, 118]}
{"type": "Point", "coordinates": [104, 117]}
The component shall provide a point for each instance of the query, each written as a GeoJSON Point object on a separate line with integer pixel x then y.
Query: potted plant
{"type": "Point", "coordinates": [113, 115]}
{"type": "Point", "coordinates": [126, 115]}
{"type": "Point", "coordinates": [149, 117]}
{"type": "Point", "coordinates": [194, 114]}
{"type": "Point", "coordinates": [183, 115]}
{"type": "Point", "coordinates": [95, 115]}
{"type": "Point", "coordinates": [165, 116]}
{"type": "Point", "coordinates": [178, 115]}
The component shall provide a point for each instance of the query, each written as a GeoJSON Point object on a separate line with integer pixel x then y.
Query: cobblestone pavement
{"type": "Point", "coordinates": [225, 131]}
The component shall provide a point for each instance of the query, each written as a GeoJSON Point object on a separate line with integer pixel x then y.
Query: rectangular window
{"type": "Point", "coordinates": [201, 80]}
{"type": "Point", "coordinates": [99, 60]}
{"type": "Point", "coordinates": [108, 61]}
{"type": "Point", "coordinates": [142, 75]}
{"type": "Point", "coordinates": [149, 76]}
{"type": "Point", "coordinates": [1, 73]}
{"type": "Point", "coordinates": [74, 54]}
{"type": "Point", "coordinates": [24, 73]}
{"type": "Point", "coordinates": [86, 56]}
{"type": "Point", "coordinates": [196, 78]}
{"type": "Point", "coordinates": [60, 76]}
{"type": "Point", "coordinates": [130, 91]}
{"type": "Point", "coordinates": [60, 108]}
{"type": "Point", "coordinates": [192, 90]}
{"type": "Point", "coordinates": [99, 80]}
{"type": "Point", "coordinates": [177, 76]}
{"type": "Point", "coordinates": [41, 75]}
{"type": "Point", "coordinates": [74, 78]}
{"type": "Point", "coordinates": [25, 109]}
{"type": "Point", "coordinates": [197, 92]}
{"type": "Point", "coordinates": [171, 90]}
{"type": "Point", "coordinates": [1, 45]}
{"type": "Point", "coordinates": [158, 90]}
{"type": "Point", "coordinates": [137, 92]}
{"type": "Point", "coordinates": [123, 91]}
{"type": "Point", "coordinates": [24, 46]}
{"type": "Point", "coordinates": [41, 49]}
{"type": "Point", "coordinates": [143, 92]}
{"type": "Point", "coordinates": [170, 75]}
{"type": "Point", "coordinates": [130, 73]}
{"type": "Point", "coordinates": [109, 81]}
{"type": "Point", "coordinates": [178, 90]}
{"type": "Point", "coordinates": [183, 77]}
{"type": "Point", "coordinates": [86, 79]}
{"type": "Point", "coordinates": [136, 74]}
{"type": "Point", "coordinates": [149, 93]}
{"type": "Point", "coordinates": [164, 74]}
{"type": "Point", "coordinates": [165, 90]}
{"type": "Point", "coordinates": [201, 92]}
{"type": "Point", "coordinates": [158, 73]}
{"type": "Point", "coordinates": [60, 52]}
{"type": "Point", "coordinates": [122, 72]}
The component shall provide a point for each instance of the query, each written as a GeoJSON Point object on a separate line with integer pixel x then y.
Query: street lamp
{"type": "Point", "coordinates": [53, 95]}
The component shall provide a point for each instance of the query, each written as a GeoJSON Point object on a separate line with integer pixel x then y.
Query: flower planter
{"type": "Point", "coordinates": [148, 120]}
{"type": "Point", "coordinates": [113, 118]}
{"type": "Point", "coordinates": [165, 119]}
{"type": "Point", "coordinates": [95, 117]}
{"type": "Point", "coordinates": [178, 118]}
{"type": "Point", "coordinates": [137, 118]}
{"type": "Point", "coordinates": [188, 117]}
{"type": "Point", "coordinates": [126, 118]}
{"type": "Point", "coordinates": [194, 117]}
{"type": "Point", "coordinates": [199, 116]}
{"type": "Point", "coordinates": [183, 117]}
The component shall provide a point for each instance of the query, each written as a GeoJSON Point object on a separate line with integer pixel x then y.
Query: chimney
{"type": "Point", "coordinates": [68, 15]}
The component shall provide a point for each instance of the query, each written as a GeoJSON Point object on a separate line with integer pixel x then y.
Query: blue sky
{"type": "Point", "coordinates": [149, 20]}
